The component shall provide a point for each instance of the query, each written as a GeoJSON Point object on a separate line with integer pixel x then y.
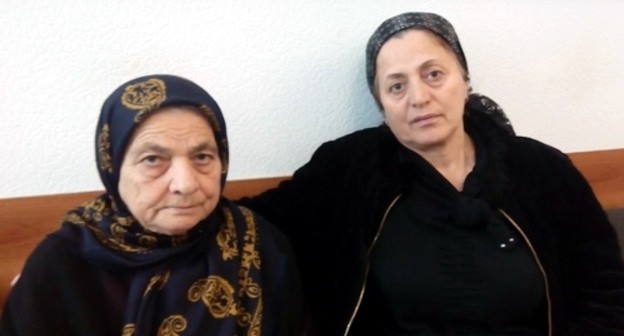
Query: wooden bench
{"type": "Point", "coordinates": [25, 221]}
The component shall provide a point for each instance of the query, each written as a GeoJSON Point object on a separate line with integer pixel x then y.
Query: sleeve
{"type": "Point", "coordinates": [55, 295]}
{"type": "Point", "coordinates": [284, 305]}
{"type": "Point", "coordinates": [593, 268]}
{"type": "Point", "coordinates": [309, 196]}
{"type": "Point", "coordinates": [31, 308]}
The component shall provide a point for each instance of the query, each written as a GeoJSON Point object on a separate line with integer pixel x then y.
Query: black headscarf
{"type": "Point", "coordinates": [207, 282]}
{"type": "Point", "coordinates": [443, 29]}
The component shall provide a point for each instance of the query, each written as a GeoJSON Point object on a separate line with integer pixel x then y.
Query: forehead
{"type": "Point", "coordinates": [413, 44]}
{"type": "Point", "coordinates": [173, 122]}
{"type": "Point", "coordinates": [170, 117]}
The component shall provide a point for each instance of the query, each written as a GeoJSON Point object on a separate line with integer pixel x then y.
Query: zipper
{"type": "Point", "coordinates": [518, 228]}
{"type": "Point", "coordinates": [539, 265]}
{"type": "Point", "coordinates": [367, 269]}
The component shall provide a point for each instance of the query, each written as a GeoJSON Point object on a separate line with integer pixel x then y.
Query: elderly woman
{"type": "Point", "coordinates": [161, 252]}
{"type": "Point", "coordinates": [441, 221]}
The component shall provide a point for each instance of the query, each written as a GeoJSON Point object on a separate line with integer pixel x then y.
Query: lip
{"type": "Point", "coordinates": [182, 208]}
{"type": "Point", "coordinates": [425, 118]}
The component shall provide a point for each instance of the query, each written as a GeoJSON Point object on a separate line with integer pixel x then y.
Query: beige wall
{"type": "Point", "coordinates": [287, 74]}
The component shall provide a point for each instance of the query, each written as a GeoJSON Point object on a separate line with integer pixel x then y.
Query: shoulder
{"type": "Point", "coordinates": [364, 148]}
{"type": "Point", "coordinates": [266, 231]}
{"type": "Point", "coordinates": [267, 235]}
{"type": "Point", "coordinates": [360, 140]}
{"type": "Point", "coordinates": [531, 153]}
{"type": "Point", "coordinates": [51, 270]}
{"type": "Point", "coordinates": [534, 163]}
{"type": "Point", "coordinates": [51, 258]}
{"type": "Point", "coordinates": [60, 284]}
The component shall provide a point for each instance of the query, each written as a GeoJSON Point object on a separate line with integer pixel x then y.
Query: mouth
{"type": "Point", "coordinates": [181, 207]}
{"type": "Point", "coordinates": [425, 118]}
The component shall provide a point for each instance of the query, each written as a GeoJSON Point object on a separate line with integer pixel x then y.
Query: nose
{"type": "Point", "coordinates": [419, 94]}
{"type": "Point", "coordinates": [183, 178]}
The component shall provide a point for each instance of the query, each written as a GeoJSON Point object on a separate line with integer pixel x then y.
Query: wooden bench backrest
{"type": "Point", "coordinates": [27, 220]}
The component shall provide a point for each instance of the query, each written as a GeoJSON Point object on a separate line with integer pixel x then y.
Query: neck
{"type": "Point", "coordinates": [454, 160]}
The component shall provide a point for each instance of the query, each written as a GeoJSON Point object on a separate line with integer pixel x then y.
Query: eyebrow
{"type": "Point", "coordinates": [150, 146]}
{"type": "Point", "coordinates": [424, 65]}
{"type": "Point", "coordinates": [154, 147]}
{"type": "Point", "coordinates": [203, 146]}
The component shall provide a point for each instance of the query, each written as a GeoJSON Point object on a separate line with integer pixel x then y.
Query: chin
{"type": "Point", "coordinates": [177, 229]}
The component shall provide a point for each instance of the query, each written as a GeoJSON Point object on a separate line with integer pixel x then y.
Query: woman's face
{"type": "Point", "coordinates": [171, 172]}
{"type": "Point", "coordinates": [422, 90]}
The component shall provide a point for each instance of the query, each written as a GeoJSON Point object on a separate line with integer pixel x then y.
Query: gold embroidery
{"type": "Point", "coordinates": [252, 289]}
{"type": "Point", "coordinates": [172, 326]}
{"type": "Point", "coordinates": [97, 205]}
{"type": "Point", "coordinates": [96, 210]}
{"type": "Point", "coordinates": [253, 321]}
{"type": "Point", "coordinates": [217, 294]}
{"type": "Point", "coordinates": [226, 237]}
{"type": "Point", "coordinates": [120, 226]}
{"type": "Point", "coordinates": [118, 230]}
{"type": "Point", "coordinates": [128, 330]}
{"type": "Point", "coordinates": [178, 241]}
{"type": "Point", "coordinates": [104, 150]}
{"type": "Point", "coordinates": [250, 258]}
{"type": "Point", "coordinates": [144, 95]}
{"type": "Point", "coordinates": [157, 282]}
{"type": "Point", "coordinates": [74, 218]}
{"type": "Point", "coordinates": [115, 244]}
{"type": "Point", "coordinates": [147, 241]}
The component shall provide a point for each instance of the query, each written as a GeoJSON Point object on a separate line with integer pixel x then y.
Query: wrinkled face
{"type": "Point", "coordinates": [422, 90]}
{"type": "Point", "coordinates": [171, 172]}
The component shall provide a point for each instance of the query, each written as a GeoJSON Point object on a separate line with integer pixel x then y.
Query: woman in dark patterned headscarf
{"type": "Point", "coordinates": [161, 252]}
{"type": "Point", "coordinates": [441, 221]}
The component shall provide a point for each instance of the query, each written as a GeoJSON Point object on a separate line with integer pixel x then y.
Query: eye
{"type": "Point", "coordinates": [151, 160]}
{"type": "Point", "coordinates": [204, 158]}
{"type": "Point", "coordinates": [434, 75]}
{"type": "Point", "coordinates": [396, 88]}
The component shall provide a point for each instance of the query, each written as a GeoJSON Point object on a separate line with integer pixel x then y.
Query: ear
{"type": "Point", "coordinates": [468, 88]}
{"type": "Point", "coordinates": [468, 84]}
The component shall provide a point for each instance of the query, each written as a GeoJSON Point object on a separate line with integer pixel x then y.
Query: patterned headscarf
{"type": "Point", "coordinates": [132, 103]}
{"type": "Point", "coordinates": [207, 281]}
{"type": "Point", "coordinates": [445, 31]}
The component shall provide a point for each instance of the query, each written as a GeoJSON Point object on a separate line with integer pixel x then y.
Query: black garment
{"type": "Point", "coordinates": [445, 263]}
{"type": "Point", "coordinates": [64, 290]}
{"type": "Point", "coordinates": [333, 206]}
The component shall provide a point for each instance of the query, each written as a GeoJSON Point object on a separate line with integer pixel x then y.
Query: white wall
{"type": "Point", "coordinates": [287, 74]}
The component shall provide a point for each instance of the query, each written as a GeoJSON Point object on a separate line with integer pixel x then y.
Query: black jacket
{"type": "Point", "coordinates": [340, 197]}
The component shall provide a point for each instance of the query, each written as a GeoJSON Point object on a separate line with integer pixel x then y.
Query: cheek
{"type": "Point", "coordinates": [388, 108]}
{"type": "Point", "coordinates": [395, 118]}
{"type": "Point", "coordinates": [142, 199]}
{"type": "Point", "coordinates": [211, 184]}
{"type": "Point", "coordinates": [463, 89]}
{"type": "Point", "coordinates": [211, 190]}
{"type": "Point", "coordinates": [456, 96]}
{"type": "Point", "coordinates": [127, 188]}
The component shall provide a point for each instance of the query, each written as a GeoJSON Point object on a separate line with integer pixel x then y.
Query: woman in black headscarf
{"type": "Point", "coordinates": [161, 252]}
{"type": "Point", "coordinates": [441, 221]}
